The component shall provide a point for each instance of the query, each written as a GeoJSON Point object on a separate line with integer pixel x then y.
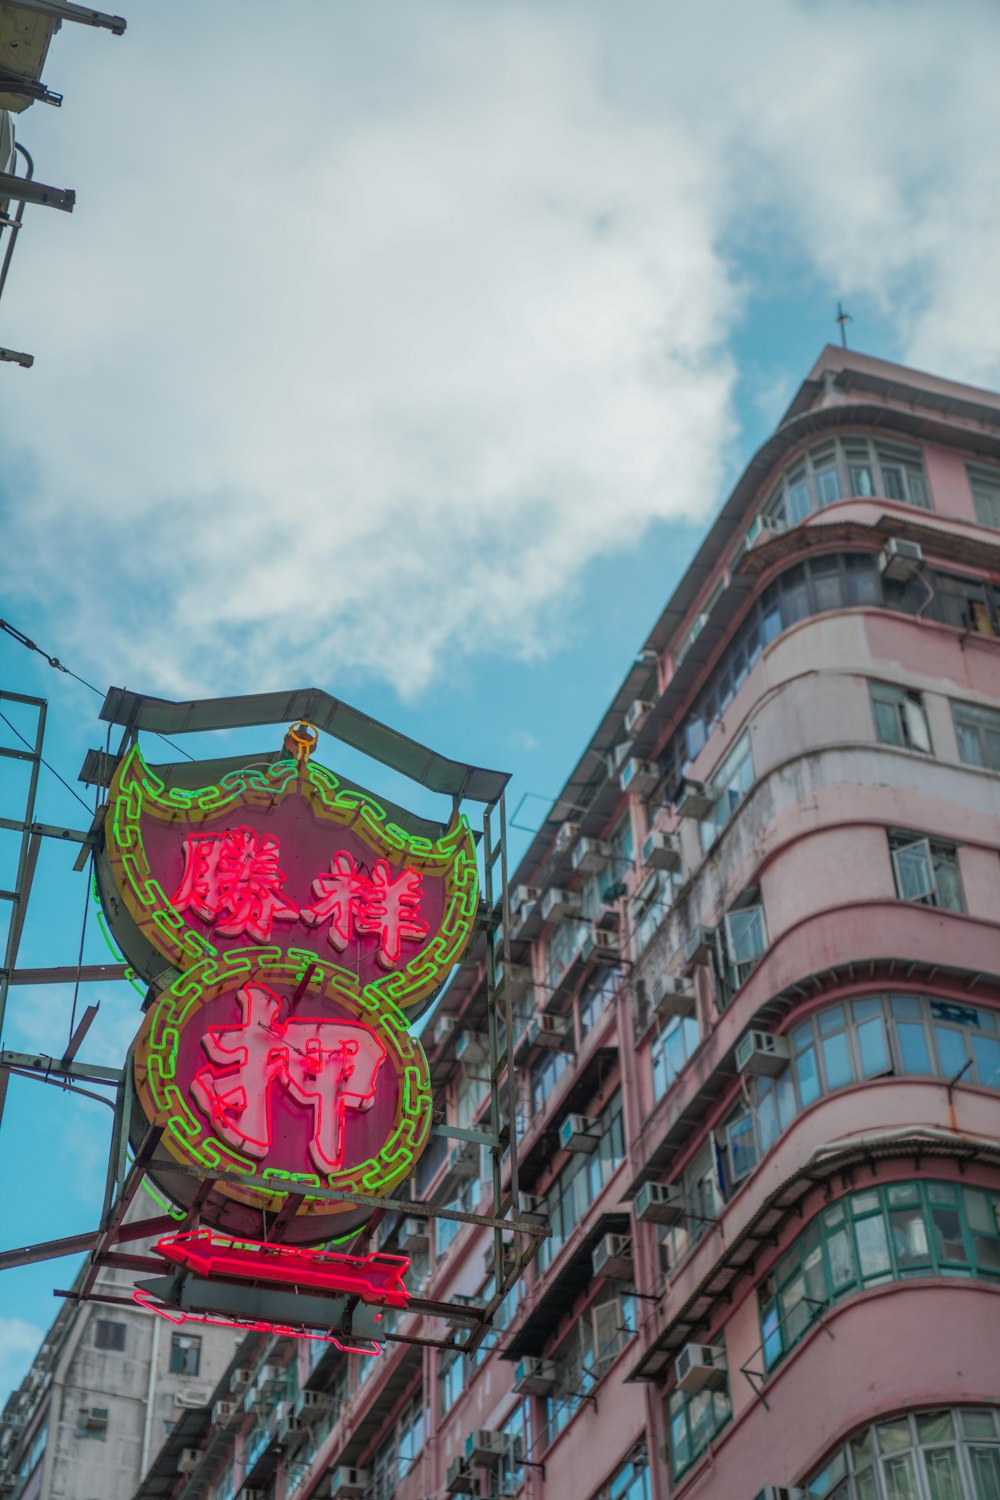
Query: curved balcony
{"type": "Point", "coordinates": [905, 1345]}
{"type": "Point", "coordinates": [882, 1119]}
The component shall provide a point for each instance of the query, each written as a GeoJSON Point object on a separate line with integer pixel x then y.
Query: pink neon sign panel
{"type": "Point", "coordinates": [330, 1066]}
{"type": "Point", "coordinates": [375, 1278]}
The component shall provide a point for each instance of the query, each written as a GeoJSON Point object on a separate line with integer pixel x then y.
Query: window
{"type": "Point", "coordinates": [631, 1482]}
{"type": "Point", "coordinates": [564, 941]}
{"type": "Point", "coordinates": [34, 1452]}
{"type": "Point", "coordinates": [899, 717]}
{"type": "Point", "coordinates": [947, 1454]}
{"type": "Point", "coordinates": [847, 1043]}
{"type": "Point", "coordinates": [185, 1354]}
{"type": "Point", "coordinates": [451, 1377]}
{"type": "Point", "coordinates": [978, 733]}
{"type": "Point", "coordinates": [108, 1334]}
{"type": "Point", "coordinates": [546, 1072]}
{"type": "Point", "coordinates": [882, 1234]}
{"type": "Point", "coordinates": [586, 1353]}
{"type": "Point", "coordinates": [581, 1181]}
{"type": "Point", "coordinates": [703, 1200]}
{"type": "Point", "coordinates": [985, 485]}
{"type": "Point", "coordinates": [728, 786]}
{"type": "Point", "coordinates": [673, 1045]}
{"type": "Point", "coordinates": [649, 907]}
{"type": "Point", "coordinates": [446, 1230]}
{"type": "Point", "coordinates": [516, 1428]}
{"type": "Point", "coordinates": [596, 996]}
{"type": "Point", "coordinates": [926, 871]}
{"type": "Point", "coordinates": [739, 945]}
{"type": "Point", "coordinates": [622, 847]}
{"type": "Point", "coordinates": [850, 466]}
{"type": "Point", "coordinates": [694, 1420]}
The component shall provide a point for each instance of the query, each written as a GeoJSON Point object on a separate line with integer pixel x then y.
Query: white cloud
{"type": "Point", "coordinates": [359, 349]}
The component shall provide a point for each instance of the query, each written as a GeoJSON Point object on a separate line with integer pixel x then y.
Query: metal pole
{"type": "Point", "coordinates": [16, 916]}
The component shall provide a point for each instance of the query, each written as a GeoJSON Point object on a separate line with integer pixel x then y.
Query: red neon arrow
{"type": "Point", "coordinates": [373, 1278]}
{"type": "Point", "coordinates": [178, 1315]}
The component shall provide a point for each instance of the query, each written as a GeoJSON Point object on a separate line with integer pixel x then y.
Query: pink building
{"type": "Point", "coordinates": [757, 965]}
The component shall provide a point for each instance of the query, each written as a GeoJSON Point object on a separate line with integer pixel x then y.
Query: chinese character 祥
{"type": "Point", "coordinates": [331, 1066]}
{"type": "Point", "coordinates": [353, 902]}
{"type": "Point", "coordinates": [234, 877]}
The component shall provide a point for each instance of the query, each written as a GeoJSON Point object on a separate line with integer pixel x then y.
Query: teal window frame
{"type": "Point", "coordinates": [887, 1233]}
{"type": "Point", "coordinates": [693, 1420]}
{"type": "Point", "coordinates": [936, 1453]}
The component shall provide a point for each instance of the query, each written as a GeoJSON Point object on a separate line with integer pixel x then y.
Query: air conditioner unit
{"type": "Point", "coordinates": [240, 1379]}
{"type": "Point", "coordinates": [636, 715]}
{"type": "Point", "coordinates": [533, 1210]}
{"type": "Point", "coordinates": [471, 1049]}
{"type": "Point", "coordinates": [523, 896]}
{"type": "Point", "coordinates": [673, 996]}
{"type": "Point", "coordinates": [535, 1377]}
{"type": "Point", "coordinates": [346, 1482]}
{"type": "Point", "coordinates": [223, 1410]}
{"type": "Point", "coordinates": [557, 904]}
{"type": "Point", "coordinates": [464, 1159]}
{"type": "Point", "coordinates": [95, 1418]}
{"type": "Point", "coordinates": [661, 851]}
{"type": "Point", "coordinates": [601, 947]}
{"type": "Point", "coordinates": [694, 800]}
{"type": "Point", "coordinates": [484, 1446]}
{"type": "Point", "coordinates": [617, 757]}
{"type": "Point", "coordinates": [566, 834]}
{"type": "Point", "coordinates": [763, 1053]}
{"type": "Point", "coordinates": [189, 1460]}
{"type": "Point", "coordinates": [413, 1238]}
{"type": "Point", "coordinates": [698, 948]}
{"type": "Point", "coordinates": [443, 1028]}
{"type": "Point", "coordinates": [191, 1398]}
{"type": "Point", "coordinates": [700, 1367]}
{"type": "Point", "coordinates": [762, 528]}
{"type": "Point", "coordinates": [311, 1404]}
{"type": "Point", "coordinates": [459, 1479]}
{"type": "Point", "coordinates": [612, 1258]}
{"type": "Point", "coordinates": [579, 1133]}
{"type": "Point", "coordinates": [639, 776]}
{"type": "Point", "coordinates": [553, 1032]}
{"type": "Point", "coordinates": [900, 560]}
{"type": "Point", "coordinates": [590, 855]}
{"type": "Point", "coordinates": [659, 1204]}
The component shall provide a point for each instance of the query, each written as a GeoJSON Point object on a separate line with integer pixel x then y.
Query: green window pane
{"type": "Point", "coordinates": [986, 1253]}
{"type": "Point", "coordinates": [866, 1485]}
{"type": "Point", "coordinates": [970, 746]}
{"type": "Point", "coordinates": [841, 1259]}
{"type": "Point", "coordinates": [862, 1448]}
{"type": "Point", "coordinates": [942, 1474]}
{"type": "Point", "coordinates": [872, 1047]}
{"type": "Point", "coordinates": [887, 723]}
{"type": "Point", "coordinates": [907, 1007]}
{"type": "Point", "coordinates": [903, 1192]}
{"type": "Point", "coordinates": [832, 1019]}
{"type": "Point", "coordinates": [942, 1192]}
{"type": "Point", "coordinates": [808, 1076]}
{"type": "Point", "coordinates": [936, 1427]}
{"type": "Point", "coordinates": [873, 1247]}
{"type": "Point", "coordinates": [949, 1242]}
{"type": "Point", "coordinates": [977, 1423]}
{"type": "Point", "coordinates": [985, 1464]}
{"type": "Point", "coordinates": [909, 1238]}
{"type": "Point", "coordinates": [864, 1203]}
{"type": "Point", "coordinates": [978, 1211]}
{"type": "Point", "coordinates": [771, 1335]}
{"type": "Point", "coordinates": [900, 1478]}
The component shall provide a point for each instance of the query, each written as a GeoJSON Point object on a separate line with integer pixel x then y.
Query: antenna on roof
{"type": "Point", "coordinates": [843, 318]}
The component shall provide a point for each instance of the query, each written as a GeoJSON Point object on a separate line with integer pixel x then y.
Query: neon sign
{"type": "Point", "coordinates": [288, 925]}
{"type": "Point", "coordinates": [178, 1317]}
{"type": "Point", "coordinates": [375, 1278]}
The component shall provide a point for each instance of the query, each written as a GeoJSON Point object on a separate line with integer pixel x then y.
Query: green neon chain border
{"type": "Point", "coordinates": [137, 792]}
{"type": "Point", "coordinates": [194, 1140]}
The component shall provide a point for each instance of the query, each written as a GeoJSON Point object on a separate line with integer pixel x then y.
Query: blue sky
{"type": "Point", "coordinates": [408, 351]}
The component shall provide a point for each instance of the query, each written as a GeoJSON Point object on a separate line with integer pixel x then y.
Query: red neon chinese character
{"type": "Point", "coordinates": [331, 1066]}
{"type": "Point", "coordinates": [353, 902]}
{"type": "Point", "coordinates": [234, 876]}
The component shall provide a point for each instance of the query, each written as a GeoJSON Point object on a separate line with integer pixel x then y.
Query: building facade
{"type": "Point", "coordinates": [755, 967]}
{"type": "Point", "coordinates": [106, 1388]}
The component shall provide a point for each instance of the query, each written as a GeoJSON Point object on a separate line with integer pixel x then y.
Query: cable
{"type": "Point", "coordinates": [53, 661]}
{"type": "Point", "coordinates": [48, 767]}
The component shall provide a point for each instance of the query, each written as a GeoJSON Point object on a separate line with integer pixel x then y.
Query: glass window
{"type": "Point", "coordinates": [919, 1456]}
{"type": "Point", "coordinates": [694, 1420]}
{"type": "Point", "coordinates": [672, 1046]}
{"type": "Point", "coordinates": [728, 786]}
{"type": "Point", "coordinates": [109, 1335]}
{"type": "Point", "coordinates": [926, 871]}
{"type": "Point", "coordinates": [985, 485]}
{"type": "Point", "coordinates": [185, 1354]}
{"type": "Point", "coordinates": [977, 730]}
{"type": "Point", "coordinates": [899, 717]}
{"type": "Point", "coordinates": [893, 1232]}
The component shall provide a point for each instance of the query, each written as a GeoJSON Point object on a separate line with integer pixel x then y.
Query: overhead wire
{"type": "Point", "coordinates": [54, 662]}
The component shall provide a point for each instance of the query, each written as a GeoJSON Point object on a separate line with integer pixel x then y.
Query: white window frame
{"type": "Point", "coordinates": [911, 716]}
{"type": "Point", "coordinates": [928, 851]}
